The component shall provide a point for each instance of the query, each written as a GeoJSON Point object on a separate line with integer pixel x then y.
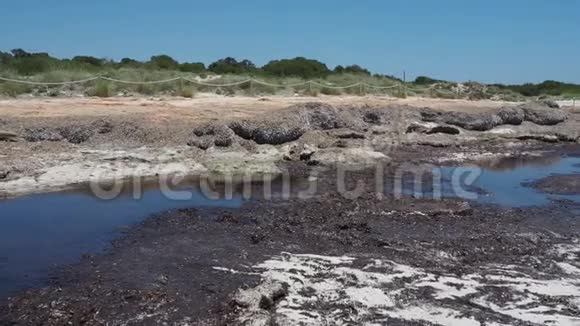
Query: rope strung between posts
{"type": "Point", "coordinates": [141, 83]}
{"type": "Point", "coordinates": [217, 85]}
{"type": "Point", "coordinates": [256, 81]}
{"type": "Point", "coordinates": [336, 87]}
{"type": "Point", "coordinates": [47, 83]}
{"type": "Point", "coordinates": [281, 85]}
{"type": "Point", "coordinates": [381, 87]}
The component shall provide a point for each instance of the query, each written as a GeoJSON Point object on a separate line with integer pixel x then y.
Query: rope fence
{"type": "Point", "coordinates": [193, 81]}
{"type": "Point", "coordinates": [250, 81]}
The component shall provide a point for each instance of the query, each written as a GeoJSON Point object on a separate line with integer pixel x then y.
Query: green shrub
{"type": "Point", "coordinates": [163, 62]}
{"type": "Point", "coordinates": [92, 61]}
{"type": "Point", "coordinates": [187, 92]}
{"type": "Point", "coordinates": [226, 91]}
{"type": "Point", "coordinates": [28, 66]}
{"type": "Point", "coordinates": [259, 89]}
{"type": "Point", "coordinates": [145, 89]}
{"type": "Point", "coordinates": [297, 67]}
{"type": "Point", "coordinates": [423, 80]}
{"type": "Point", "coordinates": [311, 92]}
{"type": "Point", "coordinates": [14, 89]}
{"type": "Point", "coordinates": [230, 65]}
{"type": "Point", "coordinates": [330, 91]}
{"type": "Point", "coordinates": [196, 67]}
{"type": "Point", "coordinates": [101, 89]}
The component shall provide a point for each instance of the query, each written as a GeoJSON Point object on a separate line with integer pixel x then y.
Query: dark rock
{"type": "Point", "coordinates": [347, 134]}
{"type": "Point", "coordinates": [477, 122]}
{"type": "Point", "coordinates": [372, 118]}
{"type": "Point", "coordinates": [444, 130]}
{"type": "Point", "coordinates": [307, 152]}
{"type": "Point", "coordinates": [244, 129]}
{"type": "Point", "coordinates": [103, 126]}
{"type": "Point", "coordinates": [539, 137]}
{"type": "Point", "coordinates": [277, 134]}
{"type": "Point", "coordinates": [551, 104]}
{"type": "Point", "coordinates": [200, 142]}
{"type": "Point", "coordinates": [415, 127]}
{"type": "Point", "coordinates": [76, 134]}
{"type": "Point", "coordinates": [341, 143]}
{"type": "Point", "coordinates": [130, 129]}
{"type": "Point", "coordinates": [4, 174]}
{"type": "Point", "coordinates": [542, 114]}
{"type": "Point", "coordinates": [512, 116]}
{"type": "Point", "coordinates": [291, 124]}
{"type": "Point", "coordinates": [429, 115]}
{"type": "Point", "coordinates": [42, 134]}
{"type": "Point", "coordinates": [7, 136]}
{"type": "Point", "coordinates": [566, 137]}
{"type": "Point", "coordinates": [537, 112]}
{"type": "Point", "coordinates": [212, 134]}
{"type": "Point", "coordinates": [229, 218]}
{"type": "Point", "coordinates": [429, 129]}
{"type": "Point", "coordinates": [257, 237]}
{"type": "Point", "coordinates": [223, 141]}
{"type": "Point", "coordinates": [319, 116]}
{"type": "Point", "coordinates": [266, 303]}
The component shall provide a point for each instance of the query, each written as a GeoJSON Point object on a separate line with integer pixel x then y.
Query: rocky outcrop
{"type": "Point", "coordinates": [512, 116]}
{"type": "Point", "coordinates": [76, 134]}
{"type": "Point", "coordinates": [211, 134]}
{"type": "Point", "coordinates": [432, 128]}
{"type": "Point", "coordinates": [102, 126]}
{"type": "Point", "coordinates": [540, 113]}
{"type": "Point", "coordinates": [266, 132]}
{"type": "Point", "coordinates": [294, 122]}
{"type": "Point", "coordinates": [258, 302]}
{"type": "Point", "coordinates": [476, 122]}
{"type": "Point", "coordinates": [543, 114]}
{"type": "Point", "coordinates": [42, 134]}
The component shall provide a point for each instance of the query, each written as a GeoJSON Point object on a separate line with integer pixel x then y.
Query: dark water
{"type": "Point", "coordinates": [40, 231]}
{"type": "Point", "coordinates": [503, 181]}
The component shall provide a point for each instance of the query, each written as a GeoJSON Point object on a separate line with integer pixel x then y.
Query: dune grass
{"type": "Point", "coordinates": [286, 86]}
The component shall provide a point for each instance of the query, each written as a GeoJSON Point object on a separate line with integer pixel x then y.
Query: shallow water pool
{"type": "Point", "coordinates": [40, 231]}
{"type": "Point", "coordinates": [503, 182]}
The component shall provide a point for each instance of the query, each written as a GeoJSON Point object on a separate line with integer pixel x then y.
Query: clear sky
{"type": "Point", "coordinates": [508, 41]}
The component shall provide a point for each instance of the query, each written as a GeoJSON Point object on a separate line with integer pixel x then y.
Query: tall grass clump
{"type": "Point", "coordinates": [187, 92]}
{"type": "Point", "coordinates": [14, 89]}
{"type": "Point", "coordinates": [101, 89]}
{"type": "Point", "coordinates": [330, 91]}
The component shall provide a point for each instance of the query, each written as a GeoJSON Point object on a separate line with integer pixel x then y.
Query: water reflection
{"type": "Point", "coordinates": [512, 163]}
{"type": "Point", "coordinates": [505, 181]}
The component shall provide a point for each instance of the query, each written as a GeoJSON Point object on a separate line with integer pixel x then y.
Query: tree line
{"type": "Point", "coordinates": [25, 63]}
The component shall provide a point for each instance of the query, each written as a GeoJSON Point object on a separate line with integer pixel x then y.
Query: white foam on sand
{"type": "Point", "coordinates": [326, 290]}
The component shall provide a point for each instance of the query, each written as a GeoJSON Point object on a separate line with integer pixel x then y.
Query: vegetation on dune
{"type": "Point", "coordinates": [549, 87]}
{"type": "Point", "coordinates": [424, 80]}
{"type": "Point", "coordinates": [232, 66]}
{"type": "Point", "coordinates": [41, 67]}
{"type": "Point", "coordinates": [297, 67]}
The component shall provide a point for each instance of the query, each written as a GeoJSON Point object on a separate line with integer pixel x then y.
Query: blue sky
{"type": "Point", "coordinates": [508, 41]}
